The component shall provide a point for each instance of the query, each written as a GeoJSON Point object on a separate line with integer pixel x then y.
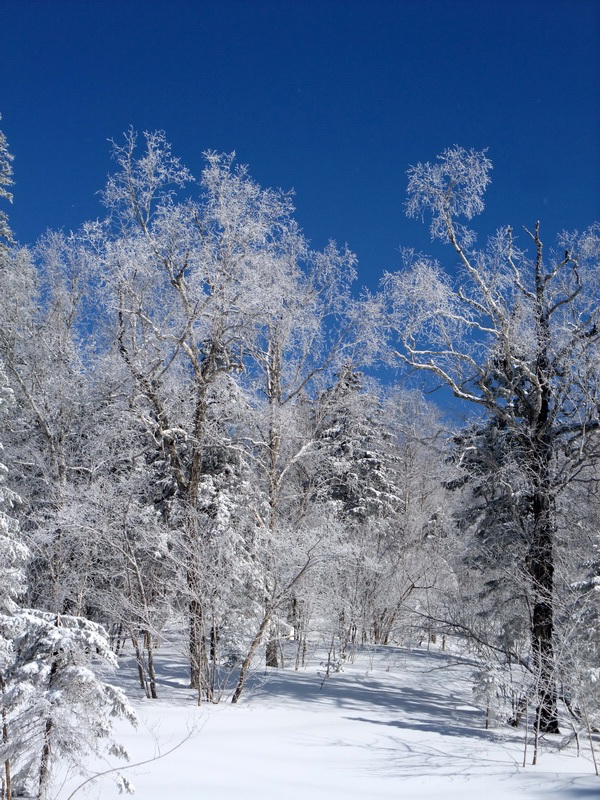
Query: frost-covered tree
{"type": "Point", "coordinates": [13, 553]}
{"type": "Point", "coordinates": [183, 279]}
{"type": "Point", "coordinates": [13, 556]}
{"type": "Point", "coordinates": [355, 478]}
{"type": "Point", "coordinates": [41, 317]}
{"type": "Point", "coordinates": [54, 707]}
{"type": "Point", "coordinates": [6, 172]}
{"type": "Point", "coordinates": [206, 299]}
{"type": "Point", "coordinates": [514, 333]}
{"type": "Point", "coordinates": [394, 512]}
{"type": "Point", "coordinates": [304, 333]}
{"type": "Point", "coordinates": [57, 709]}
{"type": "Point", "coordinates": [52, 704]}
{"type": "Point", "coordinates": [354, 438]}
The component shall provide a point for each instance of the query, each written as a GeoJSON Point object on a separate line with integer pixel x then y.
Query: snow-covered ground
{"type": "Point", "coordinates": [395, 724]}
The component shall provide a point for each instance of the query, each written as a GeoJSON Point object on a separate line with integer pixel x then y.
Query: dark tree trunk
{"type": "Point", "coordinates": [541, 551]}
{"type": "Point", "coordinates": [45, 762]}
{"type": "Point", "coordinates": [541, 572]}
{"type": "Point", "coordinates": [7, 782]}
{"type": "Point", "coordinates": [139, 659]}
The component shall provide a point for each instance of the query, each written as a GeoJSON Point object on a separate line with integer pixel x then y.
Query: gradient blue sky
{"type": "Point", "coordinates": [333, 98]}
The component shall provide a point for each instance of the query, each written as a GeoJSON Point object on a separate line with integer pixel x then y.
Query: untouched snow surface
{"type": "Point", "coordinates": [395, 724]}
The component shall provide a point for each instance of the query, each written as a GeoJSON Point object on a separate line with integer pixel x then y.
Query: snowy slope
{"type": "Point", "coordinates": [395, 724]}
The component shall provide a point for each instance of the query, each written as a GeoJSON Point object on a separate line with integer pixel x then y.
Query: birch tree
{"type": "Point", "coordinates": [190, 283]}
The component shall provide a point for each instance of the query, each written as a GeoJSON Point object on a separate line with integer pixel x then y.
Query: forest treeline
{"type": "Point", "coordinates": [196, 439]}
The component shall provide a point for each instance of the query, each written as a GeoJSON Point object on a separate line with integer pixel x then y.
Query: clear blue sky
{"type": "Point", "coordinates": [334, 98]}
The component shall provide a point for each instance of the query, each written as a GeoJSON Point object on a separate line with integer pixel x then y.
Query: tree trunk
{"type": "Point", "coordinates": [151, 670]}
{"type": "Point", "coordinates": [198, 659]}
{"type": "Point", "coordinates": [250, 655]}
{"type": "Point", "coordinates": [7, 783]}
{"type": "Point", "coordinates": [541, 571]}
{"type": "Point", "coordinates": [139, 658]}
{"type": "Point", "coordinates": [541, 553]}
{"type": "Point", "coordinates": [44, 771]}
{"type": "Point", "coordinates": [45, 762]}
{"type": "Point", "coordinates": [272, 649]}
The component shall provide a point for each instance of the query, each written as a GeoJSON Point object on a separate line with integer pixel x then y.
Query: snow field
{"type": "Point", "coordinates": [394, 724]}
